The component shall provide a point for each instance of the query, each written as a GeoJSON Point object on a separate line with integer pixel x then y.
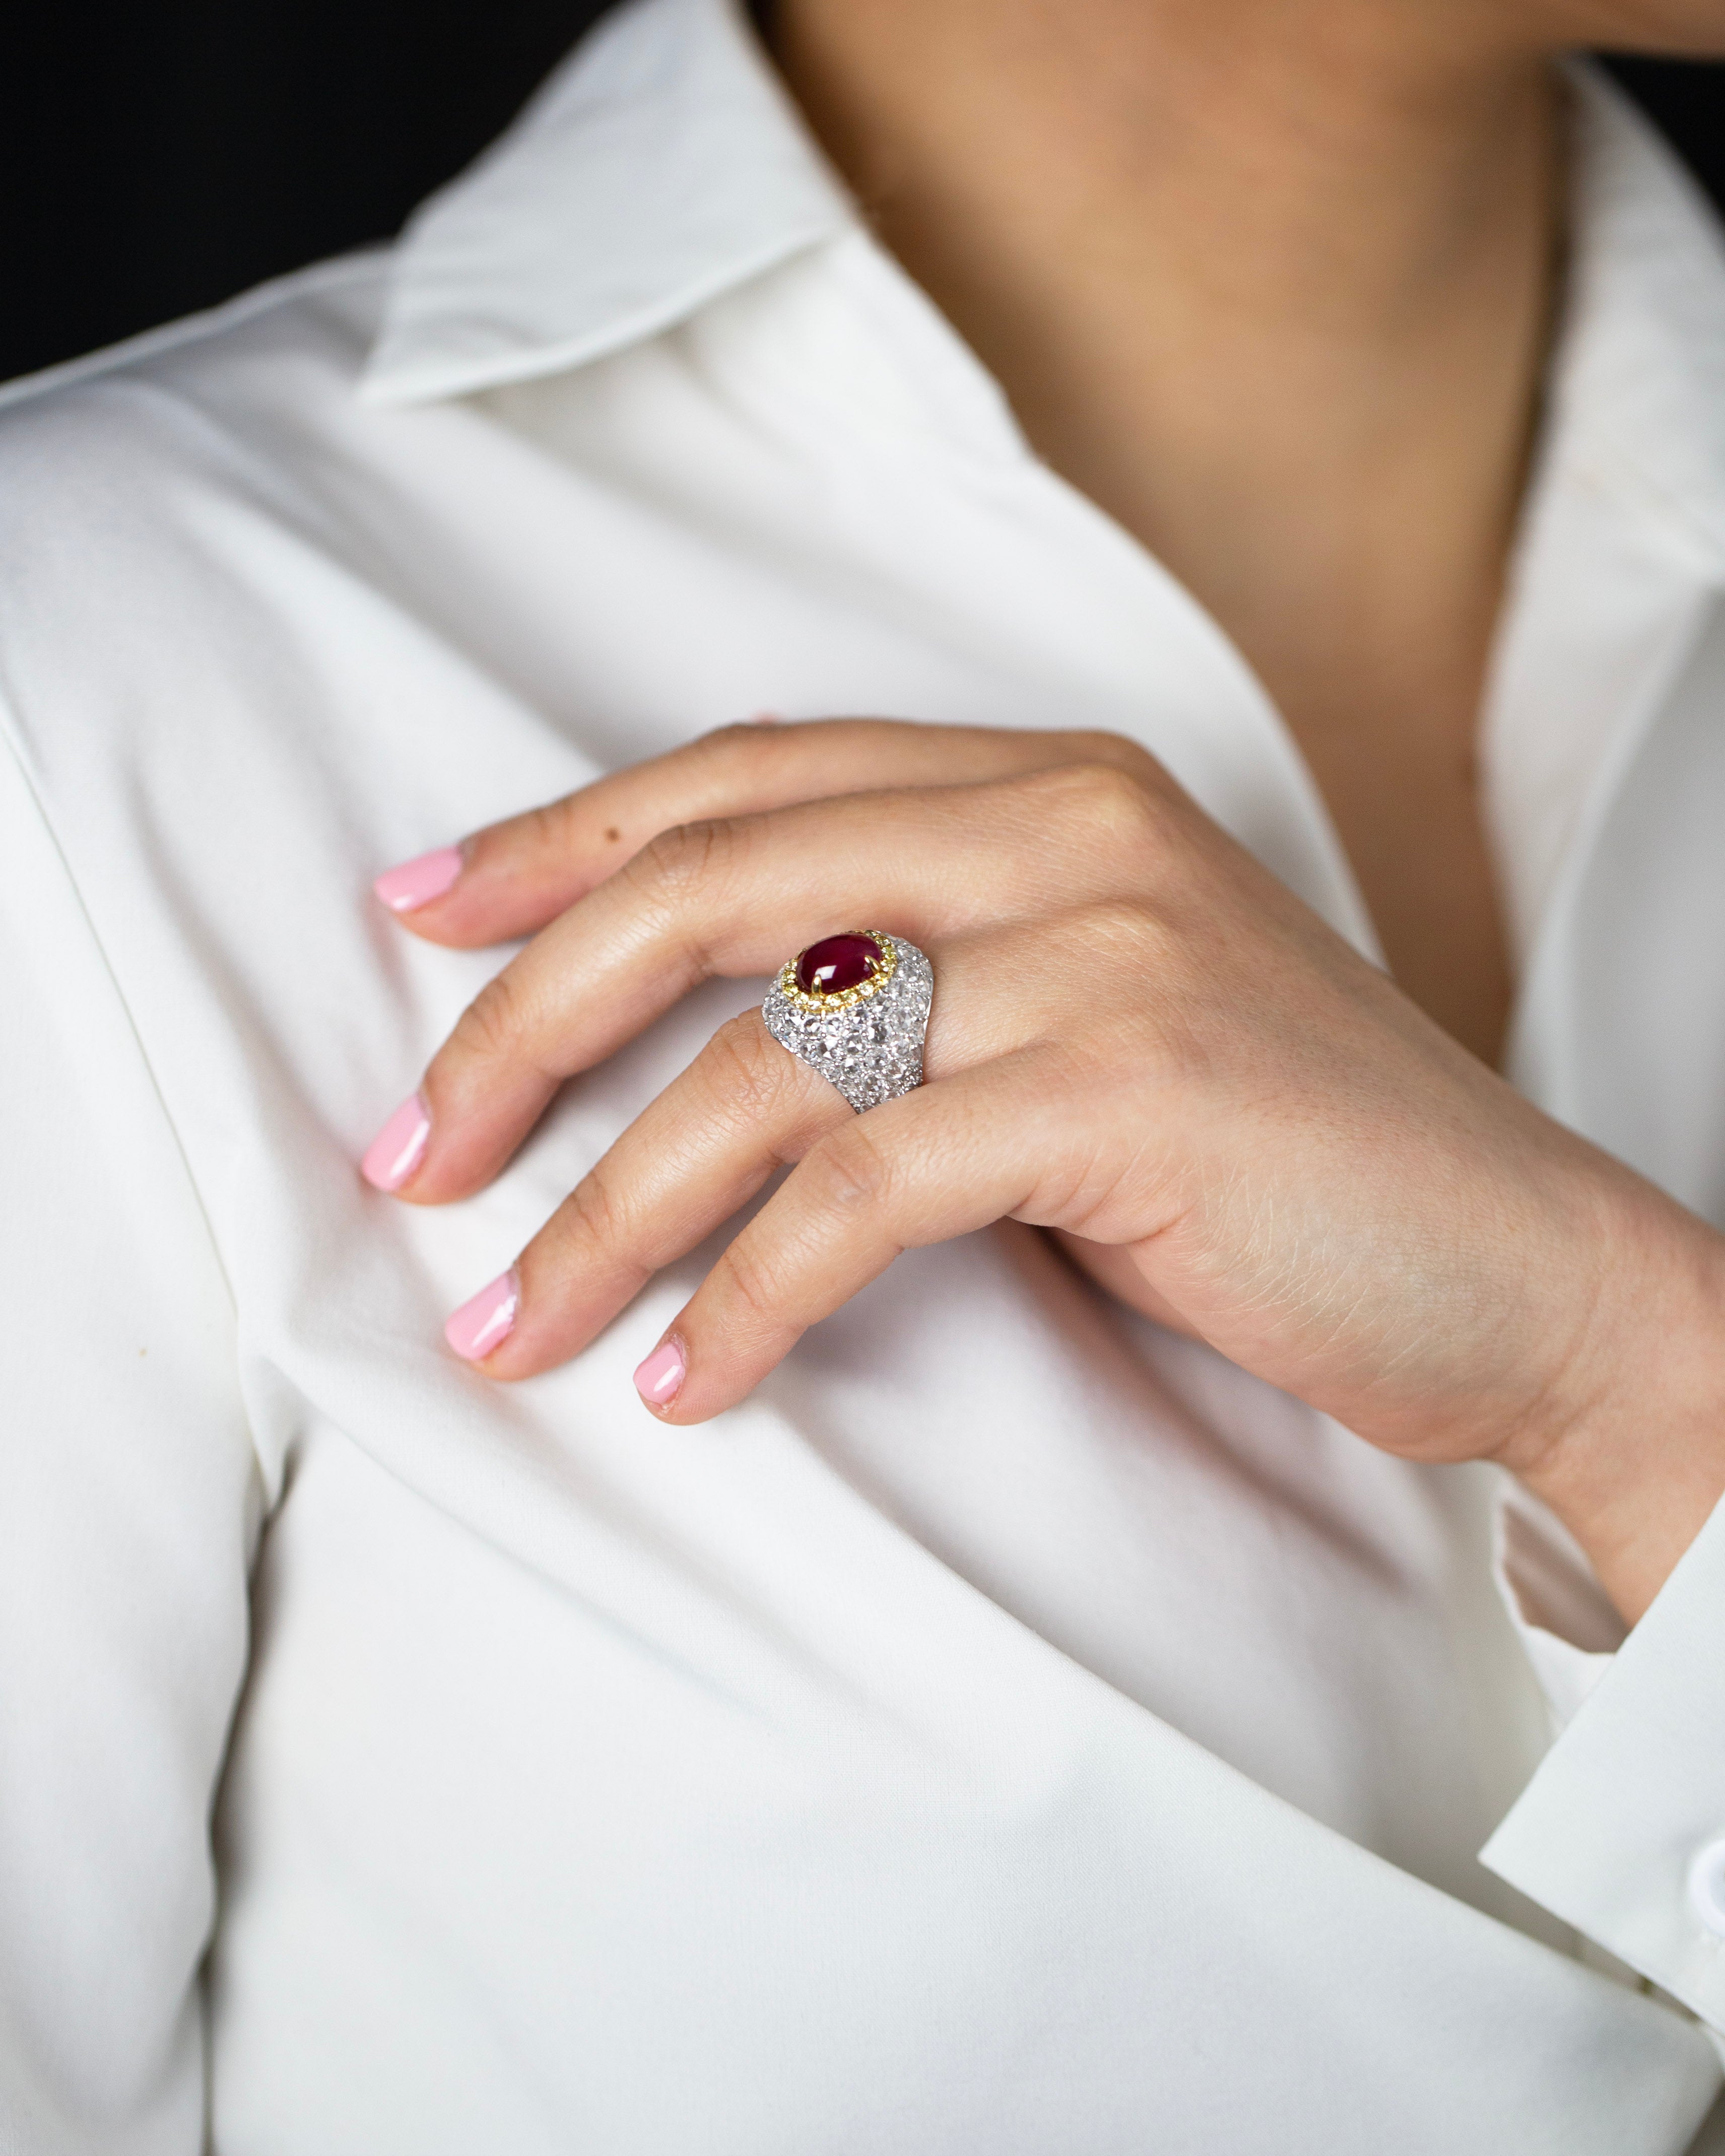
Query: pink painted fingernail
{"type": "Point", "coordinates": [660, 1377]}
{"type": "Point", "coordinates": [487, 1321]}
{"type": "Point", "coordinates": [417, 882]}
{"type": "Point", "coordinates": [399, 1147]}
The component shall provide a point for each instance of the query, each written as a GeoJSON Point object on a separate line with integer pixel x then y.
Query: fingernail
{"type": "Point", "coordinates": [399, 1147]}
{"type": "Point", "coordinates": [417, 882]}
{"type": "Point", "coordinates": [487, 1321]}
{"type": "Point", "coordinates": [660, 1377]}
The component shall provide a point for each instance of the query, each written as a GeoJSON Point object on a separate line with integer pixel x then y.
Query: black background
{"type": "Point", "coordinates": [155, 158]}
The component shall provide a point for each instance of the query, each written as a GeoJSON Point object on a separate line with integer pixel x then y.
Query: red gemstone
{"type": "Point", "coordinates": [837, 962]}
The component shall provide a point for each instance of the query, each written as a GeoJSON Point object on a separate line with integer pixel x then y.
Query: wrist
{"type": "Point", "coordinates": [1636, 1462]}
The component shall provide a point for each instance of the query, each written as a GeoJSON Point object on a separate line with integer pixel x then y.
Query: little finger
{"type": "Point", "coordinates": [743, 1109]}
{"type": "Point", "coordinates": [953, 1156]}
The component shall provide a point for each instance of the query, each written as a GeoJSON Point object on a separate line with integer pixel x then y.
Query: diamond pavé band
{"type": "Point", "coordinates": [855, 1006]}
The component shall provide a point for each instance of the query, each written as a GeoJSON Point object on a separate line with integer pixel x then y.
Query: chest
{"type": "Point", "coordinates": [935, 1667]}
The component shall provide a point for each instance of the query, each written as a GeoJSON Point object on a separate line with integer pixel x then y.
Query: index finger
{"type": "Point", "coordinates": [510, 878]}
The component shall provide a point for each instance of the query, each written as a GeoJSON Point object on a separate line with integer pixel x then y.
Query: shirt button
{"type": "Point", "coordinates": [1707, 1886]}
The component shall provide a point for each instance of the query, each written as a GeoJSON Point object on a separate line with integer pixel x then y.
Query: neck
{"type": "Point", "coordinates": [1302, 244]}
{"type": "Point", "coordinates": [1268, 280]}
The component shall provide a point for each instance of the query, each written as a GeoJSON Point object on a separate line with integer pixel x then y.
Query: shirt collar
{"type": "Point", "coordinates": [663, 164]}
{"type": "Point", "coordinates": [1635, 398]}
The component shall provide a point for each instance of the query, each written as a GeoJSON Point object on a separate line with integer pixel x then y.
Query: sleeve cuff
{"type": "Point", "coordinates": [1622, 1831]}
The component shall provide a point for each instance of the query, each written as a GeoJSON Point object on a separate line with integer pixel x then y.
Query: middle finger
{"type": "Point", "coordinates": [728, 898]}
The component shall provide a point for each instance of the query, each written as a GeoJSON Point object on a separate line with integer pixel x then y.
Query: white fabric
{"type": "Point", "coordinates": [1567, 1624]}
{"type": "Point", "coordinates": [1049, 1739]}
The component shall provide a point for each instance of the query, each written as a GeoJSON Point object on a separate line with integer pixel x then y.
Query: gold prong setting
{"type": "Point", "coordinates": [805, 999]}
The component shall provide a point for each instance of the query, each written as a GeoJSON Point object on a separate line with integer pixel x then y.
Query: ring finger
{"type": "Point", "coordinates": [744, 1108]}
{"type": "Point", "coordinates": [722, 899]}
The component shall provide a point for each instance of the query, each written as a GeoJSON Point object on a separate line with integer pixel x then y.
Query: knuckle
{"type": "Point", "coordinates": [751, 1283]}
{"type": "Point", "coordinates": [548, 829]}
{"type": "Point", "coordinates": [848, 1173]}
{"type": "Point", "coordinates": [594, 1215]}
{"type": "Point", "coordinates": [684, 860]}
{"type": "Point", "coordinates": [495, 1024]}
{"type": "Point", "coordinates": [1101, 802]}
{"type": "Point", "coordinates": [527, 840]}
{"type": "Point", "coordinates": [747, 1071]}
{"type": "Point", "coordinates": [1115, 799]}
{"type": "Point", "coordinates": [1100, 746]}
{"type": "Point", "coordinates": [674, 882]}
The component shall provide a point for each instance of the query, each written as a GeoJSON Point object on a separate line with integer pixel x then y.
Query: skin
{"type": "Point", "coordinates": [1272, 283]}
{"type": "Point", "coordinates": [1282, 318]}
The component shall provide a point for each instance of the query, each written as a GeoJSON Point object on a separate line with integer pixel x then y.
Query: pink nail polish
{"type": "Point", "coordinates": [484, 1323]}
{"type": "Point", "coordinates": [399, 1147]}
{"type": "Point", "coordinates": [660, 1377]}
{"type": "Point", "coordinates": [417, 882]}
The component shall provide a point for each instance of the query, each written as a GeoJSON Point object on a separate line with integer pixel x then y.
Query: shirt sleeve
{"type": "Point", "coordinates": [1622, 1831]}
{"type": "Point", "coordinates": [129, 1499]}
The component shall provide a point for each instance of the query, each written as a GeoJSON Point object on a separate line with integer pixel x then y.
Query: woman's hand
{"type": "Point", "coordinates": [1140, 1040]}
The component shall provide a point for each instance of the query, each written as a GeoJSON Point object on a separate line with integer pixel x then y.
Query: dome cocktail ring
{"type": "Point", "coordinates": [855, 1006]}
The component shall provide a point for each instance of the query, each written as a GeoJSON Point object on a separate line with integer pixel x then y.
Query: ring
{"type": "Point", "coordinates": [856, 1009]}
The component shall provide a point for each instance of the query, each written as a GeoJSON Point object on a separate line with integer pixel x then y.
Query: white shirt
{"type": "Point", "coordinates": [1038, 1736]}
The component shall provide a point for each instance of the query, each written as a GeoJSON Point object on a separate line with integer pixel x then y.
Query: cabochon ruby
{"type": "Point", "coordinates": [837, 962]}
